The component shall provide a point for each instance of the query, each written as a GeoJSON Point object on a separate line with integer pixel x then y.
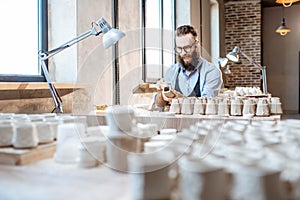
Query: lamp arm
{"type": "Point", "coordinates": [55, 96]}
{"type": "Point", "coordinates": [44, 55]}
{"type": "Point", "coordinates": [264, 79]}
{"type": "Point", "coordinates": [263, 72]}
{"type": "Point", "coordinates": [251, 60]}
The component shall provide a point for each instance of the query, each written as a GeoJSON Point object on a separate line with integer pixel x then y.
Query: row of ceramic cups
{"type": "Point", "coordinates": [27, 135]}
{"type": "Point", "coordinates": [229, 169]}
{"type": "Point", "coordinates": [30, 130]}
{"type": "Point", "coordinates": [227, 106]}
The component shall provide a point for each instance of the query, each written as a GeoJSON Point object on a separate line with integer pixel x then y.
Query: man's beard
{"type": "Point", "coordinates": [193, 64]}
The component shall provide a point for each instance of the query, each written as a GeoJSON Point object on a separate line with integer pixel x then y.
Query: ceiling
{"type": "Point", "coordinates": [267, 3]}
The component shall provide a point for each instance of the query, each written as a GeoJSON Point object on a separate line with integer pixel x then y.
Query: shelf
{"type": "Point", "coordinates": [29, 90]}
{"type": "Point", "coordinates": [39, 86]}
{"type": "Point", "coordinates": [144, 88]}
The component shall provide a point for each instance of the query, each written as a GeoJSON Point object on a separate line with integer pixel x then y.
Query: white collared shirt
{"type": "Point", "coordinates": [210, 78]}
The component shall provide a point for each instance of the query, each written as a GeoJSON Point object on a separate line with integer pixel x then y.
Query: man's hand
{"type": "Point", "coordinates": [161, 98]}
{"type": "Point", "coordinates": [160, 84]}
{"type": "Point", "coordinates": [168, 99]}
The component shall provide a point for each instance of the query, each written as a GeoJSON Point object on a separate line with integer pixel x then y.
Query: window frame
{"type": "Point", "coordinates": [143, 16]}
{"type": "Point", "coordinates": [43, 45]}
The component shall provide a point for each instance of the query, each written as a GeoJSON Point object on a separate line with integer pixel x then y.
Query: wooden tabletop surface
{"type": "Point", "coordinates": [47, 179]}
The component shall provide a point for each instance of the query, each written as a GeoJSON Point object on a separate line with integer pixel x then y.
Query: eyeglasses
{"type": "Point", "coordinates": [187, 48]}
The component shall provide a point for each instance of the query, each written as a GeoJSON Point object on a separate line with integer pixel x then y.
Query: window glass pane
{"type": "Point", "coordinates": [167, 14]}
{"type": "Point", "coordinates": [159, 38]}
{"type": "Point", "coordinates": [152, 37]}
{"type": "Point", "coordinates": [168, 34]}
{"type": "Point", "coordinates": [19, 37]}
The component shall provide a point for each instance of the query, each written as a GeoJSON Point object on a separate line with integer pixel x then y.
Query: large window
{"type": "Point", "coordinates": [158, 37]}
{"type": "Point", "coordinates": [21, 38]}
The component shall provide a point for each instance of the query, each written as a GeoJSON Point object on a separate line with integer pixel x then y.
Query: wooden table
{"type": "Point", "coordinates": [48, 180]}
{"type": "Point", "coordinates": [176, 121]}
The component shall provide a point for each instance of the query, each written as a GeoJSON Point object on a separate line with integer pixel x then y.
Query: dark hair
{"type": "Point", "coordinates": [186, 29]}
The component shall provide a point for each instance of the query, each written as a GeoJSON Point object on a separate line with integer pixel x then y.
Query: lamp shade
{"type": "Point", "coordinates": [286, 3]}
{"type": "Point", "coordinates": [227, 70]}
{"type": "Point", "coordinates": [283, 29]}
{"type": "Point", "coordinates": [233, 55]}
{"type": "Point", "coordinates": [112, 37]}
{"type": "Point", "coordinates": [222, 62]}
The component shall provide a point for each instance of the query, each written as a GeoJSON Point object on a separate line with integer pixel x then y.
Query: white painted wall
{"type": "Point", "coordinates": [88, 61]}
{"type": "Point", "coordinates": [281, 55]}
{"type": "Point", "coordinates": [182, 12]}
{"type": "Point", "coordinates": [62, 28]}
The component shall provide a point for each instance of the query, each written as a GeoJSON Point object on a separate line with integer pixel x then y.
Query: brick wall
{"type": "Point", "coordinates": [243, 29]}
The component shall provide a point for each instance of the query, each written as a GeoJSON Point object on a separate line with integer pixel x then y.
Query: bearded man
{"type": "Point", "coordinates": [192, 75]}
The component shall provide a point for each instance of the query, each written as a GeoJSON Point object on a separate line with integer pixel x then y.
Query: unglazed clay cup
{"type": "Point", "coordinates": [120, 118]}
{"type": "Point", "coordinates": [117, 149]}
{"type": "Point", "coordinates": [262, 108]}
{"type": "Point", "coordinates": [91, 152]}
{"type": "Point", "coordinates": [25, 136]}
{"type": "Point", "coordinates": [200, 180]}
{"type": "Point", "coordinates": [199, 106]}
{"type": "Point", "coordinates": [68, 139]}
{"type": "Point", "coordinates": [166, 90]}
{"type": "Point", "coordinates": [211, 107]}
{"type": "Point", "coordinates": [236, 107]}
{"type": "Point", "coordinates": [150, 175]}
{"type": "Point", "coordinates": [175, 106]}
{"type": "Point", "coordinates": [187, 107]}
{"type": "Point", "coordinates": [6, 134]}
{"type": "Point", "coordinates": [248, 108]}
{"type": "Point", "coordinates": [45, 132]}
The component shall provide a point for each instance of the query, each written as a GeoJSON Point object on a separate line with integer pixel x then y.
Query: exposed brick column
{"type": "Point", "coordinates": [243, 29]}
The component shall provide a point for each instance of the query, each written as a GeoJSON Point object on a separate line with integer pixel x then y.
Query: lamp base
{"type": "Point", "coordinates": [58, 109]}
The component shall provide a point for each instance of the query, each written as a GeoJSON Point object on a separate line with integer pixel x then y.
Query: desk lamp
{"type": "Point", "coordinates": [234, 56]}
{"type": "Point", "coordinates": [110, 37]}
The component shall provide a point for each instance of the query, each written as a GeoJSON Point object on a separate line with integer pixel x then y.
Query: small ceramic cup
{"type": "Point", "coordinates": [117, 149]}
{"type": "Point", "coordinates": [187, 107]}
{"type": "Point", "coordinates": [120, 118]}
{"type": "Point", "coordinates": [68, 139]}
{"type": "Point", "coordinates": [208, 181]}
{"type": "Point", "coordinates": [6, 134]}
{"type": "Point", "coordinates": [175, 106]}
{"type": "Point", "coordinates": [91, 152]}
{"type": "Point", "coordinates": [199, 106]}
{"type": "Point", "coordinates": [223, 108]}
{"type": "Point", "coordinates": [25, 136]}
{"type": "Point", "coordinates": [236, 107]}
{"type": "Point", "coordinates": [150, 175]}
{"type": "Point", "coordinates": [262, 108]}
{"type": "Point", "coordinates": [248, 108]}
{"type": "Point", "coordinates": [211, 107]}
{"type": "Point", "coordinates": [44, 131]}
{"type": "Point", "coordinates": [166, 89]}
